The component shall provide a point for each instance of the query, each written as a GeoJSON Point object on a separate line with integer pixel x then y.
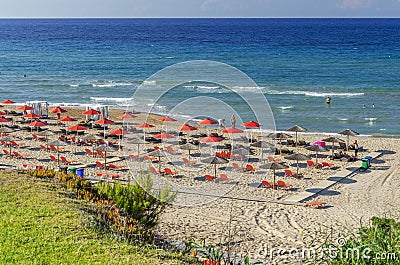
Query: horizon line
{"type": "Point", "coordinates": [360, 17]}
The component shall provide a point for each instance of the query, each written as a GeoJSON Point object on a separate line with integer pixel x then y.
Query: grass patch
{"type": "Point", "coordinates": [40, 226]}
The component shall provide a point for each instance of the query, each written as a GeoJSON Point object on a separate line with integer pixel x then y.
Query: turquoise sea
{"type": "Point", "coordinates": [296, 63]}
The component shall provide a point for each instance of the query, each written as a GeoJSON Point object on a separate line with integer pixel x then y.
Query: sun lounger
{"type": "Point", "coordinates": [311, 163]}
{"type": "Point", "coordinates": [237, 167]}
{"type": "Point", "coordinates": [250, 168]}
{"type": "Point", "coordinates": [66, 161]}
{"type": "Point", "coordinates": [100, 165]}
{"type": "Point", "coordinates": [272, 159]}
{"type": "Point", "coordinates": [266, 184]}
{"type": "Point", "coordinates": [155, 171]}
{"type": "Point", "coordinates": [54, 159]}
{"type": "Point", "coordinates": [224, 177]}
{"type": "Point", "coordinates": [326, 165]}
{"type": "Point", "coordinates": [283, 185]}
{"type": "Point", "coordinates": [115, 166]}
{"type": "Point", "coordinates": [7, 153]}
{"type": "Point", "coordinates": [18, 155]}
{"type": "Point", "coordinates": [289, 173]}
{"type": "Point", "coordinates": [315, 204]}
{"type": "Point", "coordinates": [209, 178]}
{"type": "Point", "coordinates": [188, 162]}
{"type": "Point", "coordinates": [44, 148]}
{"type": "Point", "coordinates": [169, 172]}
{"type": "Point", "coordinates": [89, 152]}
{"type": "Point", "coordinates": [55, 149]}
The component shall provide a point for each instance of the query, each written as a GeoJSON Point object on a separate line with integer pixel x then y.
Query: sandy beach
{"type": "Point", "coordinates": [253, 219]}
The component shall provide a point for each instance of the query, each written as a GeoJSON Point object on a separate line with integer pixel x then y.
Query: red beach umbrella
{"type": "Point", "coordinates": [232, 130]}
{"type": "Point", "coordinates": [211, 139]}
{"type": "Point", "coordinates": [166, 118]}
{"type": "Point", "coordinates": [208, 121]}
{"type": "Point", "coordinates": [119, 132]}
{"type": "Point", "coordinates": [25, 107]}
{"type": "Point", "coordinates": [67, 119]}
{"type": "Point", "coordinates": [77, 128]}
{"type": "Point", "coordinates": [251, 124]}
{"type": "Point", "coordinates": [104, 121]}
{"type": "Point", "coordinates": [31, 116]}
{"type": "Point", "coordinates": [3, 113]}
{"type": "Point", "coordinates": [7, 102]}
{"type": "Point", "coordinates": [58, 109]}
{"type": "Point", "coordinates": [163, 135]}
{"type": "Point", "coordinates": [187, 127]}
{"type": "Point", "coordinates": [144, 125]}
{"type": "Point", "coordinates": [127, 116]}
{"type": "Point", "coordinates": [91, 112]}
{"type": "Point", "coordinates": [37, 124]}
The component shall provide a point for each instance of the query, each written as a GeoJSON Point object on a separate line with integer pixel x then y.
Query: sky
{"type": "Point", "coordinates": [199, 8]}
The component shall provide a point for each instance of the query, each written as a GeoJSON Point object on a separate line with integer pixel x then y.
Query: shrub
{"type": "Point", "coordinates": [378, 243]}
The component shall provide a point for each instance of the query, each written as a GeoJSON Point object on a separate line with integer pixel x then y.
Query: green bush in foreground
{"type": "Point", "coordinates": [40, 226]}
{"type": "Point", "coordinates": [379, 243]}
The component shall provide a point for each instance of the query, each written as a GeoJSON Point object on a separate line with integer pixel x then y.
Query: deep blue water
{"type": "Point", "coordinates": [296, 63]}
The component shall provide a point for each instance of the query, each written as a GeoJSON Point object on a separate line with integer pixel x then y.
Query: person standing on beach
{"type": "Point", "coordinates": [233, 121]}
{"type": "Point", "coordinates": [355, 148]}
{"type": "Point", "coordinates": [221, 123]}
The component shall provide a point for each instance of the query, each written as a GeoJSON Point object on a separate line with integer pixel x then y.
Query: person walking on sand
{"type": "Point", "coordinates": [355, 148]}
{"type": "Point", "coordinates": [233, 121]}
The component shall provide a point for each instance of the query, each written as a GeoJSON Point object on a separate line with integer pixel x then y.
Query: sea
{"type": "Point", "coordinates": [295, 63]}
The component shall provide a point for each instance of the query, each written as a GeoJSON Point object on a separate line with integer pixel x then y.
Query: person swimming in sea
{"type": "Point", "coordinates": [328, 100]}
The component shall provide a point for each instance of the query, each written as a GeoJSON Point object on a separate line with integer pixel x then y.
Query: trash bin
{"type": "Point", "coordinates": [364, 163]}
{"type": "Point", "coordinates": [369, 160]}
{"type": "Point", "coordinates": [71, 170]}
{"type": "Point", "coordinates": [80, 172]}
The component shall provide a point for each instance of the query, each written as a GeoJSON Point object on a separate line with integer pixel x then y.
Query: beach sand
{"type": "Point", "coordinates": [251, 219]}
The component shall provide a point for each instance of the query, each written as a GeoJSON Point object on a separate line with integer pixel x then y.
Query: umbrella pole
{"type": "Point", "coordinates": [295, 144]}
{"type": "Point", "coordinates": [215, 171]}
{"type": "Point", "coordinates": [273, 184]}
{"type": "Point", "coordinates": [316, 159]}
{"type": "Point", "coordinates": [297, 165]}
{"type": "Point", "coordinates": [159, 164]}
{"type": "Point", "coordinates": [105, 159]}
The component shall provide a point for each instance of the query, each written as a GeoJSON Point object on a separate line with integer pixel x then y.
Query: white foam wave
{"type": "Point", "coordinates": [343, 119]}
{"type": "Point", "coordinates": [312, 93]}
{"type": "Point", "coordinates": [112, 84]}
{"type": "Point", "coordinates": [285, 107]}
{"type": "Point", "coordinates": [149, 83]}
{"type": "Point", "coordinates": [103, 99]}
{"type": "Point", "coordinates": [74, 85]}
{"type": "Point", "coordinates": [370, 119]}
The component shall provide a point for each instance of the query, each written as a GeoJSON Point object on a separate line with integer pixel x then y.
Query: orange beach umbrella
{"type": "Point", "coordinates": [166, 118]}
{"type": "Point", "coordinates": [7, 102]}
{"type": "Point", "coordinates": [25, 107]}
{"type": "Point", "coordinates": [163, 135]}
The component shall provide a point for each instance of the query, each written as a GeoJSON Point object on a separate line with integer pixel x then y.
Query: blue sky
{"type": "Point", "coordinates": [200, 8]}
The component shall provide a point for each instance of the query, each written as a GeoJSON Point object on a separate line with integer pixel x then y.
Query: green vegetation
{"type": "Point", "coordinates": [40, 225]}
{"type": "Point", "coordinates": [378, 243]}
